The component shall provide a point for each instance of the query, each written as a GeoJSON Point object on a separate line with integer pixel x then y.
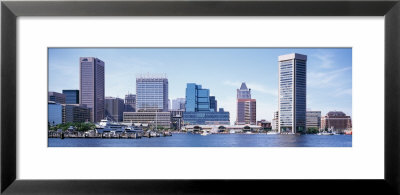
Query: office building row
{"type": "Point", "coordinates": [336, 121]}
{"type": "Point", "coordinates": [64, 113]}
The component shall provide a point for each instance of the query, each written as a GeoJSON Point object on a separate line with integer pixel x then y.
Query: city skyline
{"type": "Point", "coordinates": [221, 70]}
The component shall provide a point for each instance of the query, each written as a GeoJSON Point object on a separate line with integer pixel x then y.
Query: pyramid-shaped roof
{"type": "Point", "coordinates": [243, 86]}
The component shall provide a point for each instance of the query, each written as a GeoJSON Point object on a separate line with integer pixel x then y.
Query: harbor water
{"type": "Point", "coordinates": [212, 140]}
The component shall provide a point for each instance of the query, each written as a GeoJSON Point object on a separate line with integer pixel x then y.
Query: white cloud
{"type": "Point", "coordinates": [325, 58]}
{"type": "Point", "coordinates": [324, 79]}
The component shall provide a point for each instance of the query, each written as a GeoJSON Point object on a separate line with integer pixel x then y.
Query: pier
{"type": "Point", "coordinates": [107, 135]}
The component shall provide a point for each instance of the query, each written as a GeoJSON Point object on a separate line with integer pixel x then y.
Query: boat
{"type": "Point", "coordinates": [325, 133]}
{"type": "Point", "coordinates": [272, 133]}
{"type": "Point", "coordinates": [205, 133]}
{"type": "Point", "coordinates": [232, 131]}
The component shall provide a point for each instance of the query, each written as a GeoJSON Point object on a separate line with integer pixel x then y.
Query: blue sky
{"type": "Point", "coordinates": [329, 73]}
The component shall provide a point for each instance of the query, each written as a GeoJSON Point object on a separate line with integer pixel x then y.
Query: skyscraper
{"type": "Point", "coordinates": [114, 108]}
{"type": "Point", "coordinates": [92, 86]}
{"type": "Point", "coordinates": [246, 107]}
{"type": "Point", "coordinates": [71, 96]}
{"type": "Point", "coordinates": [130, 103]}
{"type": "Point", "coordinates": [197, 98]}
{"type": "Point", "coordinates": [198, 108]}
{"type": "Point", "coordinates": [151, 93]}
{"type": "Point", "coordinates": [292, 93]}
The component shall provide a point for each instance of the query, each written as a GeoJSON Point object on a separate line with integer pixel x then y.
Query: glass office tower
{"type": "Point", "coordinates": [292, 93]}
{"type": "Point", "coordinates": [151, 93]}
{"type": "Point", "coordinates": [197, 98]}
{"type": "Point", "coordinates": [71, 96]}
{"type": "Point", "coordinates": [92, 86]}
{"type": "Point", "coordinates": [198, 109]}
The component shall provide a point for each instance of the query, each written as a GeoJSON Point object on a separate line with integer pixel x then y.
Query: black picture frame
{"type": "Point", "coordinates": [10, 10]}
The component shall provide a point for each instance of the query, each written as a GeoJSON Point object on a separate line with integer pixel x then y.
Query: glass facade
{"type": "Point", "coordinates": [213, 103]}
{"type": "Point", "coordinates": [54, 113]}
{"type": "Point", "coordinates": [292, 93]}
{"type": "Point", "coordinates": [201, 107]}
{"type": "Point", "coordinates": [92, 86]}
{"type": "Point", "coordinates": [197, 98]}
{"type": "Point", "coordinates": [71, 96]}
{"type": "Point", "coordinates": [200, 118]}
{"type": "Point", "coordinates": [151, 94]}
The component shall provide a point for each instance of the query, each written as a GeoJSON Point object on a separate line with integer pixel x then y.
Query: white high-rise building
{"type": "Point", "coordinates": [292, 93]}
{"type": "Point", "coordinates": [151, 93]}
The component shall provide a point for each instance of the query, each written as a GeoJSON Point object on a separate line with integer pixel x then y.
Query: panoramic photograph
{"type": "Point", "coordinates": [199, 97]}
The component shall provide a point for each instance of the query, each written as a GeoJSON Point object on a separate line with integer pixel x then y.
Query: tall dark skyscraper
{"type": "Point", "coordinates": [246, 107]}
{"type": "Point", "coordinates": [292, 93]}
{"type": "Point", "coordinates": [92, 86]}
{"type": "Point", "coordinates": [71, 96]}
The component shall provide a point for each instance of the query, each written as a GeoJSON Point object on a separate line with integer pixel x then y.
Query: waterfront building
{"type": "Point", "coordinates": [178, 104]}
{"type": "Point", "coordinates": [56, 97]}
{"type": "Point", "coordinates": [162, 119]}
{"type": "Point", "coordinates": [275, 121]}
{"type": "Point", "coordinates": [264, 124]}
{"type": "Point", "coordinates": [198, 109]}
{"type": "Point", "coordinates": [313, 119]}
{"type": "Point", "coordinates": [176, 119]}
{"type": "Point", "coordinates": [54, 113]}
{"type": "Point", "coordinates": [75, 113]}
{"type": "Point", "coordinates": [151, 93]}
{"type": "Point", "coordinates": [91, 86]}
{"type": "Point", "coordinates": [114, 108]}
{"type": "Point", "coordinates": [201, 118]}
{"type": "Point", "coordinates": [197, 98]}
{"type": "Point", "coordinates": [71, 96]}
{"type": "Point", "coordinates": [130, 103]}
{"type": "Point", "coordinates": [222, 127]}
{"type": "Point", "coordinates": [246, 107]}
{"type": "Point", "coordinates": [337, 121]}
{"type": "Point", "coordinates": [292, 93]}
{"type": "Point", "coordinates": [213, 103]}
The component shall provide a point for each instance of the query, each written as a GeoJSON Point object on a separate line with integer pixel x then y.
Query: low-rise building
{"type": "Point", "coordinates": [152, 118]}
{"type": "Point", "coordinates": [264, 124]}
{"type": "Point", "coordinates": [313, 119]}
{"type": "Point", "coordinates": [75, 113]}
{"type": "Point", "coordinates": [201, 118]}
{"type": "Point", "coordinates": [56, 97]}
{"type": "Point", "coordinates": [337, 121]}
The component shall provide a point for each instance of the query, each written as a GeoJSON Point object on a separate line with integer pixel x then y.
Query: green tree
{"type": "Point", "coordinates": [312, 130]}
